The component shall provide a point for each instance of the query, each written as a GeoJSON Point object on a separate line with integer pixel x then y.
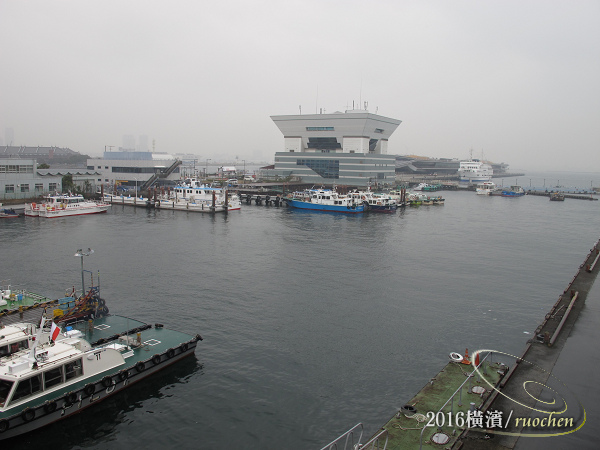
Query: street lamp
{"type": "Point", "coordinates": [83, 253]}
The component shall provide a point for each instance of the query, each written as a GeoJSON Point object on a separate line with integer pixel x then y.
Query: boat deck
{"type": "Point", "coordinates": [25, 300]}
{"type": "Point", "coordinates": [439, 413]}
{"type": "Point", "coordinates": [443, 404]}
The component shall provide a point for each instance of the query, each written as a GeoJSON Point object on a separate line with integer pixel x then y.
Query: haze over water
{"type": "Point", "coordinates": [312, 322]}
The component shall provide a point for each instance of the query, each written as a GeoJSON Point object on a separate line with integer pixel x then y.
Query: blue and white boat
{"type": "Point", "coordinates": [325, 200]}
{"type": "Point", "coordinates": [514, 191]}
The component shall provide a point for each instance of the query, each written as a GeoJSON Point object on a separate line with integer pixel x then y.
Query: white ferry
{"type": "Point", "coordinates": [64, 205]}
{"type": "Point", "coordinates": [474, 171]}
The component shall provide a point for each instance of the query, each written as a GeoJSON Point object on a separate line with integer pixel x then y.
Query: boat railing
{"type": "Point", "coordinates": [376, 440]}
{"type": "Point", "coordinates": [347, 438]}
{"type": "Point", "coordinates": [459, 392]}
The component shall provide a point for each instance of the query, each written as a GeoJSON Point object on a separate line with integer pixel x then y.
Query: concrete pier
{"type": "Point", "coordinates": [532, 377]}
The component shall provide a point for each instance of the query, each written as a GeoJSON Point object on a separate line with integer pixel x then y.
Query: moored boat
{"type": "Point", "coordinates": [8, 213]}
{"type": "Point", "coordinates": [474, 171]}
{"type": "Point", "coordinates": [64, 205]}
{"type": "Point", "coordinates": [557, 197]}
{"type": "Point", "coordinates": [374, 201]}
{"type": "Point", "coordinates": [61, 372]}
{"type": "Point", "coordinates": [328, 200]}
{"type": "Point", "coordinates": [191, 193]}
{"type": "Point", "coordinates": [485, 188]}
{"type": "Point", "coordinates": [514, 191]}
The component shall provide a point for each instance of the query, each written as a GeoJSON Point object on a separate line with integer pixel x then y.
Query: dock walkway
{"type": "Point", "coordinates": [531, 377]}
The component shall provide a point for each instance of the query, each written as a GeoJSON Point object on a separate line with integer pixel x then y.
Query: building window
{"type": "Point", "coordinates": [99, 167]}
{"type": "Point", "coordinates": [106, 167]}
{"type": "Point", "coordinates": [39, 187]}
{"type": "Point", "coordinates": [319, 129]}
{"type": "Point", "coordinates": [52, 186]}
{"type": "Point", "coordinates": [90, 167]}
{"type": "Point", "coordinates": [378, 130]}
{"type": "Point", "coordinates": [327, 168]}
{"type": "Point", "coordinates": [9, 189]}
{"type": "Point", "coordinates": [24, 188]}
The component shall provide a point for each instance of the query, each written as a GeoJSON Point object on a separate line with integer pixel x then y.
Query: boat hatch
{"type": "Point", "coordinates": [102, 327]}
{"type": "Point", "coordinates": [151, 342]}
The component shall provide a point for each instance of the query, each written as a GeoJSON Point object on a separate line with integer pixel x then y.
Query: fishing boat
{"type": "Point", "coordinates": [485, 188]}
{"type": "Point", "coordinates": [64, 205]}
{"type": "Point", "coordinates": [514, 191]}
{"type": "Point", "coordinates": [325, 200]}
{"type": "Point", "coordinates": [62, 372]}
{"type": "Point", "coordinates": [557, 197]}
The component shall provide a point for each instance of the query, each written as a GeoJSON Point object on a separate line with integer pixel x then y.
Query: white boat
{"type": "Point", "coordinates": [60, 373]}
{"type": "Point", "coordinates": [64, 205]}
{"type": "Point", "coordinates": [375, 202]}
{"type": "Point", "coordinates": [421, 187]}
{"type": "Point", "coordinates": [192, 194]}
{"type": "Point", "coordinates": [485, 188]}
{"type": "Point", "coordinates": [474, 171]}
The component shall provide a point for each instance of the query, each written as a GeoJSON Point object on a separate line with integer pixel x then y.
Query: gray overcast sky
{"type": "Point", "coordinates": [516, 79]}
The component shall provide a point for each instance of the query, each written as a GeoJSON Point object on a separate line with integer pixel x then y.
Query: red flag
{"type": "Point", "coordinates": [54, 331]}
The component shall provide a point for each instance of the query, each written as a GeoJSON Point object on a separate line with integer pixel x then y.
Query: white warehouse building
{"type": "Point", "coordinates": [341, 148]}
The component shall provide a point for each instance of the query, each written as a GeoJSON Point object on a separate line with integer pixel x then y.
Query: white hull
{"type": "Point", "coordinates": [80, 210]}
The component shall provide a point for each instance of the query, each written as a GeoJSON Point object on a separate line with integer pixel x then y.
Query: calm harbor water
{"type": "Point", "coordinates": [312, 322]}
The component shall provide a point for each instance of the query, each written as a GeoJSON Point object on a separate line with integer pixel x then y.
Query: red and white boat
{"type": "Point", "coordinates": [64, 205]}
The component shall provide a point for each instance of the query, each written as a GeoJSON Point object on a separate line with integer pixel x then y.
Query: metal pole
{"type": "Point", "coordinates": [82, 282]}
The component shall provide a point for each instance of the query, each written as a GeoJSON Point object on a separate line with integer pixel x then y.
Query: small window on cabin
{"type": "Point", "coordinates": [27, 387]}
{"type": "Point", "coordinates": [52, 377]}
{"type": "Point", "coordinates": [73, 369]}
{"type": "Point", "coordinates": [4, 351]}
{"type": "Point", "coordinates": [5, 387]}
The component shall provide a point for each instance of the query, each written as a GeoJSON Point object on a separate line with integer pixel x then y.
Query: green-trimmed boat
{"type": "Point", "coordinates": [85, 356]}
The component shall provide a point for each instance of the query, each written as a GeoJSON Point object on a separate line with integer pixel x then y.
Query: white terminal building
{"type": "Point", "coordinates": [347, 148]}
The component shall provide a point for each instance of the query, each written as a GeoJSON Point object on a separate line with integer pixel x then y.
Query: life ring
{"type": "Point", "coordinates": [170, 353]}
{"type": "Point", "coordinates": [123, 375]}
{"type": "Point", "coordinates": [156, 360]}
{"type": "Point", "coordinates": [70, 398]}
{"type": "Point", "coordinates": [89, 389]}
{"type": "Point", "coordinates": [183, 347]}
{"type": "Point", "coordinates": [49, 406]}
{"type": "Point", "coordinates": [28, 414]}
{"type": "Point", "coordinates": [4, 425]}
{"type": "Point", "coordinates": [140, 367]}
{"type": "Point", "coordinates": [456, 357]}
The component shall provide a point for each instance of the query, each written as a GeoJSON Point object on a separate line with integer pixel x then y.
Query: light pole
{"type": "Point", "coordinates": [206, 168]}
{"type": "Point", "coordinates": [135, 186]}
{"type": "Point", "coordinates": [83, 253]}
